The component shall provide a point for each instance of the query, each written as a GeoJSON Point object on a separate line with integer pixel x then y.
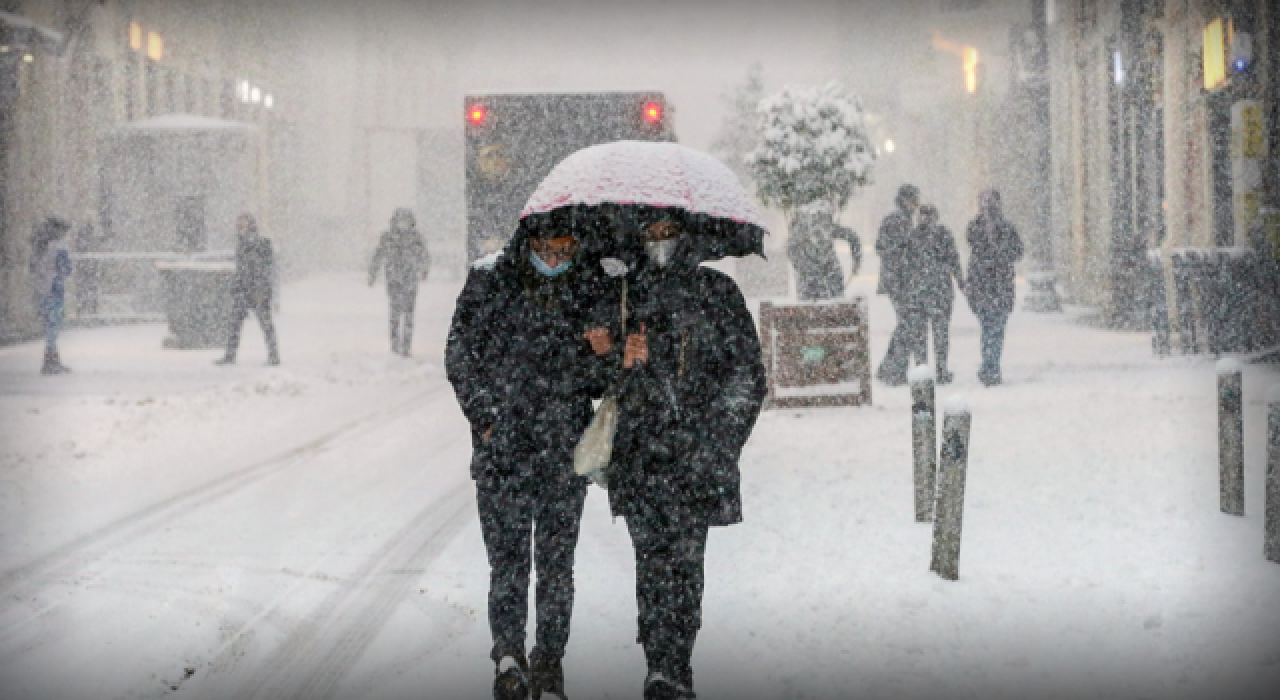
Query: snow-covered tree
{"type": "Point", "coordinates": [813, 145]}
{"type": "Point", "coordinates": [739, 132]}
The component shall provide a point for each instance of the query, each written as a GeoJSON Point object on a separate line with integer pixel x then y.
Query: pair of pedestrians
{"type": "Point", "coordinates": [539, 331]}
{"type": "Point", "coordinates": [919, 263]}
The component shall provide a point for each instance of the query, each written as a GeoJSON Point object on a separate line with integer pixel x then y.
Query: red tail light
{"type": "Point", "coordinates": [652, 112]}
{"type": "Point", "coordinates": [477, 114]}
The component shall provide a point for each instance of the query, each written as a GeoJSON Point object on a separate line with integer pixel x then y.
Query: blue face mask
{"type": "Point", "coordinates": [546, 270]}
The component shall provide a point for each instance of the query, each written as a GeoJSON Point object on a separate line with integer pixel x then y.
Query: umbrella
{"type": "Point", "coordinates": [606, 189]}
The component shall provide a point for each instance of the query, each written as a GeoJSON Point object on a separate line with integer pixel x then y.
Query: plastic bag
{"type": "Point", "coordinates": [595, 448]}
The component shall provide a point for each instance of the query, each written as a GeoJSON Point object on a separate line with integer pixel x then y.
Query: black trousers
{"type": "Point", "coordinates": [549, 513]}
{"type": "Point", "coordinates": [404, 299]}
{"type": "Point", "coordinates": [239, 312]}
{"type": "Point", "coordinates": [670, 551]}
{"type": "Point", "coordinates": [916, 322]}
{"type": "Point", "coordinates": [894, 365]}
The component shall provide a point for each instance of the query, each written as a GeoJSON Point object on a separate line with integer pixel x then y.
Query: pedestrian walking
{"type": "Point", "coordinates": [403, 252]}
{"type": "Point", "coordinates": [930, 263]}
{"type": "Point", "coordinates": [691, 384]}
{"type": "Point", "coordinates": [251, 288]}
{"type": "Point", "coordinates": [50, 268]}
{"type": "Point", "coordinates": [521, 368]}
{"type": "Point", "coordinates": [891, 244]}
{"type": "Point", "coordinates": [994, 249]}
{"type": "Point", "coordinates": [811, 247]}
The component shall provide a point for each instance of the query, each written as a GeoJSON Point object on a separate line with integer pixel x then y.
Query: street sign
{"type": "Point", "coordinates": [816, 353]}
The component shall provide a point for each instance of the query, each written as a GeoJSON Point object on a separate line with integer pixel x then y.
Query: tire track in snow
{"type": "Point", "coordinates": [312, 662]}
{"type": "Point", "coordinates": [22, 582]}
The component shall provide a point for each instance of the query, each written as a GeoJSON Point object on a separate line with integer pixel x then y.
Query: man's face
{"type": "Point", "coordinates": [242, 225]}
{"type": "Point", "coordinates": [554, 251]}
{"type": "Point", "coordinates": [912, 203]}
{"type": "Point", "coordinates": [663, 230]}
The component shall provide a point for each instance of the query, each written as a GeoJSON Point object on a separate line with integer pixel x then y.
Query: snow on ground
{"type": "Point", "coordinates": [171, 528]}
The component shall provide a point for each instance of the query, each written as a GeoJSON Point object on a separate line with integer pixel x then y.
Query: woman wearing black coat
{"type": "Point", "coordinates": [690, 387]}
{"type": "Point", "coordinates": [994, 249]}
{"type": "Point", "coordinates": [930, 264]}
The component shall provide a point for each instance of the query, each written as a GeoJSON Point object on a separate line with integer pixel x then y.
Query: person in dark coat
{"type": "Point", "coordinates": [690, 387]}
{"type": "Point", "coordinates": [251, 288]}
{"type": "Point", "coordinates": [811, 247]}
{"type": "Point", "coordinates": [403, 252]}
{"type": "Point", "coordinates": [520, 365]}
{"type": "Point", "coordinates": [994, 249]}
{"type": "Point", "coordinates": [930, 264]}
{"type": "Point", "coordinates": [50, 269]}
{"type": "Point", "coordinates": [891, 245]}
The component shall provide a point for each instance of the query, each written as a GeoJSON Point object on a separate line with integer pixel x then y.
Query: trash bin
{"type": "Point", "coordinates": [1218, 293]}
{"type": "Point", "coordinates": [197, 301]}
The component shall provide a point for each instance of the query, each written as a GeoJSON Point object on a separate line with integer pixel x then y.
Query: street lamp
{"type": "Point", "coordinates": [889, 146]}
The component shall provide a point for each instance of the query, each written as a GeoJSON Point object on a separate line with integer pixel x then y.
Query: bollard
{"type": "Point", "coordinates": [1272, 540]}
{"type": "Point", "coordinates": [924, 440]}
{"type": "Point", "coordinates": [949, 511]}
{"type": "Point", "coordinates": [1230, 438]}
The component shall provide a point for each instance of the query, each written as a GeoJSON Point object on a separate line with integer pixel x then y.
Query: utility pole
{"type": "Point", "coordinates": [1031, 82]}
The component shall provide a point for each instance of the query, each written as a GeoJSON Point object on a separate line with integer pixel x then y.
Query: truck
{"type": "Point", "coordinates": [514, 140]}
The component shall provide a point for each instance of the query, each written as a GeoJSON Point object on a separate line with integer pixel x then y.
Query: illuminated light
{"type": "Point", "coordinates": [476, 115]}
{"type": "Point", "coordinates": [970, 69]}
{"type": "Point", "coordinates": [1214, 55]}
{"type": "Point", "coordinates": [653, 112]}
{"type": "Point", "coordinates": [889, 146]}
{"type": "Point", "coordinates": [1118, 67]}
{"type": "Point", "coordinates": [4, 49]}
{"type": "Point", "coordinates": [268, 101]}
{"type": "Point", "coordinates": [155, 46]}
{"type": "Point", "coordinates": [135, 36]}
{"type": "Point", "coordinates": [255, 95]}
{"type": "Point", "coordinates": [28, 58]}
{"type": "Point", "coordinates": [242, 90]}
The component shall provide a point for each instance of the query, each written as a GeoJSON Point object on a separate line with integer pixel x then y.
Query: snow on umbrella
{"type": "Point", "coordinates": [624, 176]}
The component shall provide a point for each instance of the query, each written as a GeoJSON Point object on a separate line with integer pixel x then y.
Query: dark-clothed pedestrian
{"type": "Point", "coordinates": [811, 247]}
{"type": "Point", "coordinates": [403, 252]}
{"type": "Point", "coordinates": [891, 245]}
{"type": "Point", "coordinates": [521, 368]}
{"type": "Point", "coordinates": [994, 249]}
{"type": "Point", "coordinates": [690, 387]}
{"type": "Point", "coordinates": [251, 288]}
{"type": "Point", "coordinates": [930, 263]}
{"type": "Point", "coordinates": [50, 269]}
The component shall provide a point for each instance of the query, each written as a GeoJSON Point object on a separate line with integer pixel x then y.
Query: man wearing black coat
{"type": "Point", "coordinates": [891, 245]}
{"type": "Point", "coordinates": [251, 288]}
{"type": "Point", "coordinates": [403, 252]}
{"type": "Point", "coordinates": [994, 250]}
{"type": "Point", "coordinates": [691, 386]}
{"type": "Point", "coordinates": [522, 371]}
{"type": "Point", "coordinates": [930, 264]}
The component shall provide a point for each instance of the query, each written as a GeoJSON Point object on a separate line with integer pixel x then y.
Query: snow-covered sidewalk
{"type": "Point", "coordinates": [168, 527]}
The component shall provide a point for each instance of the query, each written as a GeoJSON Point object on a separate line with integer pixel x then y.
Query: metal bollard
{"type": "Point", "coordinates": [949, 511]}
{"type": "Point", "coordinates": [924, 440]}
{"type": "Point", "coordinates": [1230, 438]}
{"type": "Point", "coordinates": [1272, 539]}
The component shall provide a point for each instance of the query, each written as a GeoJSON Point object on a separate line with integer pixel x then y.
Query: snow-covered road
{"type": "Point", "coordinates": [171, 528]}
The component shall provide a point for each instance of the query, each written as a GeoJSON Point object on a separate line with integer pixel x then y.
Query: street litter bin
{"type": "Point", "coordinates": [197, 301]}
{"type": "Point", "coordinates": [1218, 299]}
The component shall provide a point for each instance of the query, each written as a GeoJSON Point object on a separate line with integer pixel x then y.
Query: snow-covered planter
{"type": "Point", "coordinates": [813, 146]}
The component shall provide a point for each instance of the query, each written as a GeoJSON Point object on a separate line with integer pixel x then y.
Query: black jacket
{"type": "Point", "coordinates": [686, 414]}
{"type": "Point", "coordinates": [519, 364]}
{"type": "Point", "coordinates": [811, 247]}
{"type": "Point", "coordinates": [255, 270]}
{"type": "Point", "coordinates": [930, 263]}
{"type": "Point", "coordinates": [994, 249]}
{"type": "Point", "coordinates": [891, 244]}
{"type": "Point", "coordinates": [404, 254]}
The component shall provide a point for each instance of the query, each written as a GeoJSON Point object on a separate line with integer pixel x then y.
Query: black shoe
{"type": "Point", "coordinates": [225, 361]}
{"type": "Point", "coordinates": [659, 687]}
{"type": "Point", "coordinates": [944, 377]}
{"type": "Point", "coordinates": [989, 379]}
{"type": "Point", "coordinates": [510, 678]}
{"type": "Point", "coordinates": [546, 675]}
{"type": "Point", "coordinates": [273, 361]}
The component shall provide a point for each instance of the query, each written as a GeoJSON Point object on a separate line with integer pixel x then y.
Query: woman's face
{"type": "Point", "coordinates": [663, 230]}
{"type": "Point", "coordinates": [554, 251]}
